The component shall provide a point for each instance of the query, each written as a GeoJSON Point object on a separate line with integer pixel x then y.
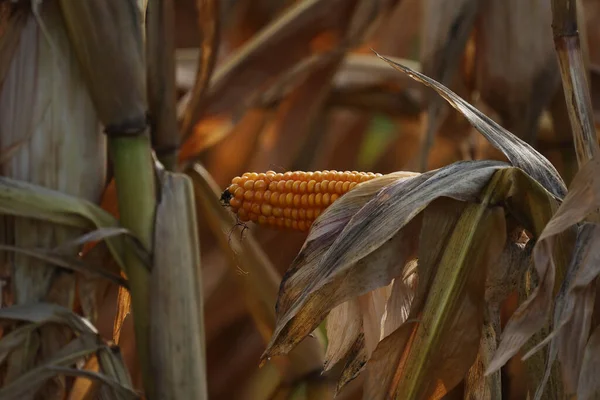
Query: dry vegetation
{"type": "Point", "coordinates": [463, 267]}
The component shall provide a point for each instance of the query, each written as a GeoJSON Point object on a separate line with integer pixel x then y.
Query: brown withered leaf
{"type": "Point", "coordinates": [573, 310]}
{"type": "Point", "coordinates": [589, 385]}
{"type": "Point", "coordinates": [319, 270]}
{"type": "Point", "coordinates": [343, 326]}
{"type": "Point", "coordinates": [520, 154]}
{"type": "Point", "coordinates": [582, 199]}
{"type": "Point", "coordinates": [439, 220]}
{"type": "Point", "coordinates": [517, 73]}
{"type": "Point", "coordinates": [447, 337]}
{"type": "Point", "coordinates": [400, 300]}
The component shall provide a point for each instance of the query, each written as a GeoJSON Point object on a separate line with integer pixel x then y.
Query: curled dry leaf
{"type": "Point", "coordinates": [439, 220]}
{"type": "Point", "coordinates": [27, 200]}
{"type": "Point", "coordinates": [582, 199]}
{"type": "Point", "coordinates": [573, 310]}
{"type": "Point", "coordinates": [520, 154]}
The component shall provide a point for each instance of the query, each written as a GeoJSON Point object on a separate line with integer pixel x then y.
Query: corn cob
{"type": "Point", "coordinates": [291, 200]}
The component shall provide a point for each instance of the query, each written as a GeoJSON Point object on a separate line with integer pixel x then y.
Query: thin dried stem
{"type": "Point", "coordinates": [162, 98]}
{"type": "Point", "coordinates": [575, 85]}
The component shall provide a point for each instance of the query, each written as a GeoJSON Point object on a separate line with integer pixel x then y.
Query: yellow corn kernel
{"type": "Point", "coordinates": [291, 200]}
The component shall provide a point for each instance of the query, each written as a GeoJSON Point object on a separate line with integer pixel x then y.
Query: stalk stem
{"type": "Point", "coordinates": [574, 79]}
{"type": "Point", "coordinates": [136, 194]}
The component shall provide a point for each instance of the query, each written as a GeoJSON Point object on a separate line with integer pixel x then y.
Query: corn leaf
{"type": "Point", "coordinates": [439, 220]}
{"type": "Point", "coordinates": [27, 200]}
{"type": "Point", "coordinates": [447, 337]}
{"type": "Point", "coordinates": [520, 154]}
{"type": "Point", "coordinates": [303, 304]}
{"type": "Point", "coordinates": [582, 199]}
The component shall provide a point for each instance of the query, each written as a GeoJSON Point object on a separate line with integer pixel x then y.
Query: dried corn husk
{"type": "Point", "coordinates": [177, 331]}
{"type": "Point", "coordinates": [49, 132]}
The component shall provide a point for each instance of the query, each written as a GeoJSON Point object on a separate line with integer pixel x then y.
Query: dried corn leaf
{"type": "Point", "coordinates": [119, 391]}
{"type": "Point", "coordinates": [27, 200]}
{"type": "Point", "coordinates": [344, 329]}
{"type": "Point", "coordinates": [519, 153]}
{"type": "Point", "coordinates": [69, 262]}
{"type": "Point", "coordinates": [31, 381]}
{"type": "Point", "coordinates": [477, 385]}
{"type": "Point", "coordinates": [517, 74]}
{"type": "Point", "coordinates": [573, 311]}
{"type": "Point", "coordinates": [439, 220]}
{"type": "Point", "coordinates": [108, 40]}
{"type": "Point", "coordinates": [589, 384]}
{"type": "Point", "coordinates": [582, 199]}
{"type": "Point", "coordinates": [399, 304]}
{"type": "Point", "coordinates": [448, 334]}
{"type": "Point", "coordinates": [43, 313]}
{"type": "Point", "coordinates": [325, 278]}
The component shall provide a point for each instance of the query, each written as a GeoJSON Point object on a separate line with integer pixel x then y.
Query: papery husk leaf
{"type": "Point", "coordinates": [177, 328]}
{"type": "Point", "coordinates": [520, 154]}
{"type": "Point", "coordinates": [582, 199]}
{"type": "Point", "coordinates": [60, 145]}
{"type": "Point", "coordinates": [589, 385]}
{"type": "Point", "coordinates": [517, 74]}
{"type": "Point", "coordinates": [573, 311]}
{"type": "Point", "coordinates": [477, 385]}
{"type": "Point", "coordinates": [439, 219]}
{"type": "Point", "coordinates": [399, 304]}
{"type": "Point", "coordinates": [447, 337]}
{"type": "Point", "coordinates": [344, 329]}
{"type": "Point", "coordinates": [108, 38]}
{"type": "Point", "coordinates": [298, 317]}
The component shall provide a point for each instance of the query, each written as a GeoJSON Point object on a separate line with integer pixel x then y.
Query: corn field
{"type": "Point", "coordinates": [299, 199]}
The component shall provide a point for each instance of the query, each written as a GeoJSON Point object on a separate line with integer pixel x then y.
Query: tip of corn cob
{"type": "Point", "coordinates": [290, 200]}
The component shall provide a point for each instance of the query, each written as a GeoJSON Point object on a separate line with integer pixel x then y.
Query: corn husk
{"type": "Point", "coordinates": [177, 331]}
{"type": "Point", "coordinates": [50, 130]}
